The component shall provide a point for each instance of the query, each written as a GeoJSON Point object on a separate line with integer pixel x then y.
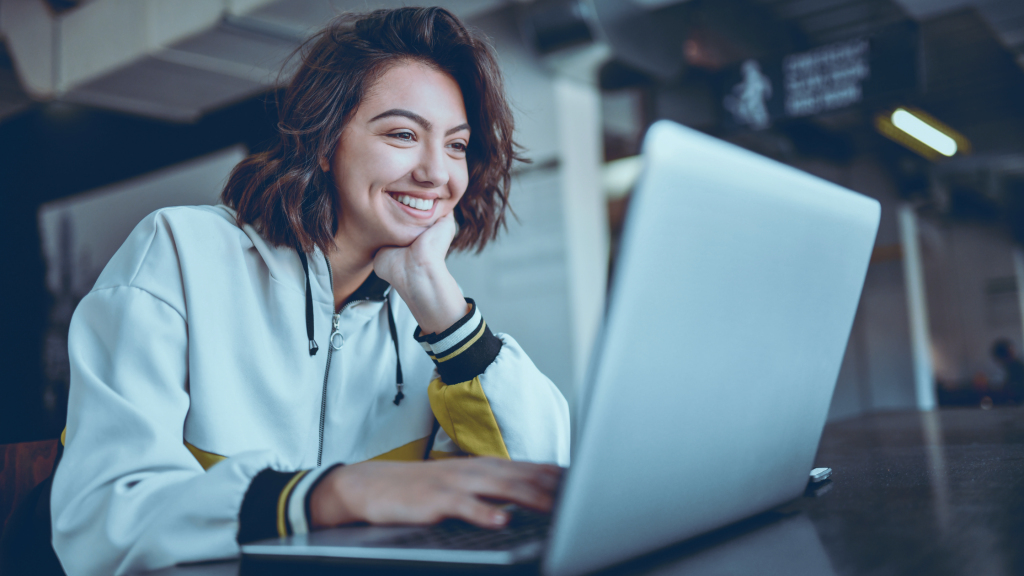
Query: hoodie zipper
{"type": "Point", "coordinates": [336, 336]}
{"type": "Point", "coordinates": [323, 398]}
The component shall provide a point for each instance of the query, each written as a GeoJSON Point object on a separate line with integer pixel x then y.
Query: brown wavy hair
{"type": "Point", "coordinates": [283, 192]}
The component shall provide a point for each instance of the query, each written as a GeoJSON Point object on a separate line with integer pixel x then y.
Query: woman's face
{"type": "Point", "coordinates": [400, 164]}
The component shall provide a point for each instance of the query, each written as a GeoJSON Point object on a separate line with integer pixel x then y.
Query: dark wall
{"type": "Point", "coordinates": [57, 150]}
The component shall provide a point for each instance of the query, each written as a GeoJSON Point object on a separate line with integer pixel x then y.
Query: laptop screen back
{"type": "Point", "coordinates": [733, 299]}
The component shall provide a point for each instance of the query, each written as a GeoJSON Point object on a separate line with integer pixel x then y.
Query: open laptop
{"type": "Point", "coordinates": [732, 302]}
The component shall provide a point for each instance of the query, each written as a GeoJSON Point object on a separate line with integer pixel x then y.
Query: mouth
{"type": "Point", "coordinates": [416, 207]}
{"type": "Point", "coordinates": [421, 204]}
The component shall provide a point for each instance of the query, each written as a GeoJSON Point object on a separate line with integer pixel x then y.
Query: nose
{"type": "Point", "coordinates": [432, 169]}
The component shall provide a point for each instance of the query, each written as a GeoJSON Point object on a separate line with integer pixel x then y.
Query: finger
{"type": "Point", "coordinates": [548, 475]}
{"type": "Point", "coordinates": [545, 476]}
{"type": "Point", "coordinates": [436, 238]}
{"type": "Point", "coordinates": [537, 480]}
{"type": "Point", "coordinates": [508, 489]}
{"type": "Point", "coordinates": [447, 224]}
{"type": "Point", "coordinates": [517, 464]}
{"type": "Point", "coordinates": [472, 510]}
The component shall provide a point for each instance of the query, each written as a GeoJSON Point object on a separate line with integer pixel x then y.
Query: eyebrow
{"type": "Point", "coordinates": [417, 119]}
{"type": "Point", "coordinates": [458, 128]}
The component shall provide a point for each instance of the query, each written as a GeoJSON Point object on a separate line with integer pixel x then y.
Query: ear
{"type": "Point", "coordinates": [324, 164]}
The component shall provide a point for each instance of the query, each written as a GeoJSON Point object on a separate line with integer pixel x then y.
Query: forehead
{"type": "Point", "coordinates": [418, 88]}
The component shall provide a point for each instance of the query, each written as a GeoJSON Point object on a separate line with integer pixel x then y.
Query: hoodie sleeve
{"type": "Point", "coordinates": [490, 399]}
{"type": "Point", "coordinates": [128, 494]}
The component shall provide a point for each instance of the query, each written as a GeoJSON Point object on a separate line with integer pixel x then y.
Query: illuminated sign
{"type": "Point", "coordinates": [876, 71]}
{"type": "Point", "coordinates": [825, 79]}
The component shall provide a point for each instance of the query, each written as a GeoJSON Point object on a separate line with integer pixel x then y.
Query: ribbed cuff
{"type": "Point", "coordinates": [298, 502]}
{"type": "Point", "coordinates": [463, 351]}
{"type": "Point", "coordinates": [264, 507]}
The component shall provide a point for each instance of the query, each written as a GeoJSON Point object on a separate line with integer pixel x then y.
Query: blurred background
{"type": "Point", "coordinates": [110, 109]}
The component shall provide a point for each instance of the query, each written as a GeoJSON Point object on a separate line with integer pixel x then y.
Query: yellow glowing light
{"type": "Point", "coordinates": [924, 132]}
{"type": "Point", "coordinates": [621, 175]}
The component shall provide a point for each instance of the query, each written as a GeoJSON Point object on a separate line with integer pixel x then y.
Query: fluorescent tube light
{"type": "Point", "coordinates": [924, 132]}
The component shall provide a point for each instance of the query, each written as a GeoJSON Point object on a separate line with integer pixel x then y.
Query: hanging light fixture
{"type": "Point", "coordinates": [922, 133]}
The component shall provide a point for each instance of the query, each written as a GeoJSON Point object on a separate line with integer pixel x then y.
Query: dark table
{"type": "Point", "coordinates": [911, 494]}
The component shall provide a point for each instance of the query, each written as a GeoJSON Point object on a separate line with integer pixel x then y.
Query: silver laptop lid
{"type": "Point", "coordinates": [732, 303]}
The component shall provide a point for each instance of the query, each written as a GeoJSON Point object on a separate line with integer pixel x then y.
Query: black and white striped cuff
{"type": "Point", "coordinates": [277, 504]}
{"type": "Point", "coordinates": [264, 505]}
{"type": "Point", "coordinates": [463, 351]}
{"type": "Point", "coordinates": [298, 502]}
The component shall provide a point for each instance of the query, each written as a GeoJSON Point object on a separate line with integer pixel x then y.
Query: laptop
{"type": "Point", "coordinates": [730, 309]}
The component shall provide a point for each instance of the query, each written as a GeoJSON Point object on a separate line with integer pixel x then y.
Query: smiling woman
{"type": "Point", "coordinates": [400, 170]}
{"type": "Point", "coordinates": [248, 370]}
{"type": "Point", "coordinates": [342, 66]}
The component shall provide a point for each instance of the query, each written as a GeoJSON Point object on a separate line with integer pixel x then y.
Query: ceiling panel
{"type": "Point", "coordinates": [826, 21]}
{"type": "Point", "coordinates": [1005, 17]}
{"type": "Point", "coordinates": [310, 15]}
{"type": "Point", "coordinates": [154, 87]}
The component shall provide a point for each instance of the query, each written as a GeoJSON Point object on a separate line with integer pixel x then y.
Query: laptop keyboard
{"type": "Point", "coordinates": [524, 526]}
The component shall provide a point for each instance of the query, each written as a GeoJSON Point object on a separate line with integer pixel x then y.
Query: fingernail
{"type": "Point", "coordinates": [499, 517]}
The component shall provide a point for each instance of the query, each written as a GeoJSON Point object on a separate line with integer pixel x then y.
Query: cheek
{"type": "Point", "coordinates": [459, 183]}
{"type": "Point", "coordinates": [390, 164]}
{"type": "Point", "coordinates": [372, 167]}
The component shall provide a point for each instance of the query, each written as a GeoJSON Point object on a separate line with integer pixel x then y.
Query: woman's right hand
{"type": "Point", "coordinates": [382, 492]}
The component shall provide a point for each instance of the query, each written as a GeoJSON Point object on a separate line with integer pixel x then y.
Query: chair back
{"type": "Point", "coordinates": [23, 466]}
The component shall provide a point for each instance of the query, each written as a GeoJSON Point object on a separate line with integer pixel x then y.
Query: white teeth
{"type": "Point", "coordinates": [417, 203]}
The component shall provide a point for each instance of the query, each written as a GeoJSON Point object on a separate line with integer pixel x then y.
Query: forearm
{"type": "Point", "coordinates": [433, 297]}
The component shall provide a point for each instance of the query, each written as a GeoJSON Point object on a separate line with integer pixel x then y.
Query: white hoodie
{"type": "Point", "coordinates": [193, 389]}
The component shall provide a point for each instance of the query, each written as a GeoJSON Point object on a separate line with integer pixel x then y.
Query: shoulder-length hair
{"type": "Point", "coordinates": [283, 192]}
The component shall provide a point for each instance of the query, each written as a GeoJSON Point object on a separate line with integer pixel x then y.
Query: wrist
{"type": "Point", "coordinates": [428, 276]}
{"type": "Point", "coordinates": [327, 505]}
{"type": "Point", "coordinates": [434, 298]}
{"type": "Point", "coordinates": [464, 350]}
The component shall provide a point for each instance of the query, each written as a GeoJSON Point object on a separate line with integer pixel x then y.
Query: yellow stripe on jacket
{"type": "Point", "coordinates": [465, 415]}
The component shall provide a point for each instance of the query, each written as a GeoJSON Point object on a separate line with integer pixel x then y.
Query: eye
{"type": "Point", "coordinates": [404, 136]}
{"type": "Point", "coordinates": [458, 146]}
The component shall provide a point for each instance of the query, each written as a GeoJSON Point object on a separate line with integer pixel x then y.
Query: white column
{"type": "Point", "coordinates": [917, 310]}
{"type": "Point", "coordinates": [578, 109]}
{"type": "Point", "coordinates": [1018, 269]}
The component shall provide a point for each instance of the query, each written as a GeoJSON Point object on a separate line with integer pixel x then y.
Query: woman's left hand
{"type": "Point", "coordinates": [419, 273]}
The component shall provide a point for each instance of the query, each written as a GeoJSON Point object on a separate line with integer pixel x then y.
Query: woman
{"type": "Point", "coordinates": [257, 368]}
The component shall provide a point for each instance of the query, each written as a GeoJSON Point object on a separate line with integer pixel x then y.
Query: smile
{"type": "Point", "coordinates": [422, 204]}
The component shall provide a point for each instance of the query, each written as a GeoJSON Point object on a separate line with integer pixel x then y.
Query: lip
{"type": "Point", "coordinates": [418, 214]}
{"type": "Point", "coordinates": [415, 194]}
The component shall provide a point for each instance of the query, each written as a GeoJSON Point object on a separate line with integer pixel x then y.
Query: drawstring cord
{"type": "Point", "coordinates": [309, 305]}
{"type": "Point", "coordinates": [313, 348]}
{"type": "Point", "coordinates": [398, 357]}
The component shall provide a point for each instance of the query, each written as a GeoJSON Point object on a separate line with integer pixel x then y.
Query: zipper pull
{"type": "Point", "coordinates": [337, 340]}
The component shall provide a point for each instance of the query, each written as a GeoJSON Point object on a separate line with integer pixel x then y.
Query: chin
{"type": "Point", "coordinates": [404, 237]}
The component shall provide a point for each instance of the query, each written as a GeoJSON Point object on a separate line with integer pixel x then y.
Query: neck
{"type": "Point", "coordinates": [350, 267]}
